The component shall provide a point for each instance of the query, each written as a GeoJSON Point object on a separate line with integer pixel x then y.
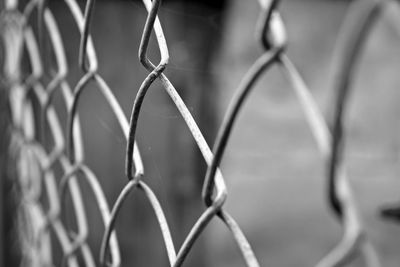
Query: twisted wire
{"type": "Point", "coordinates": [31, 142]}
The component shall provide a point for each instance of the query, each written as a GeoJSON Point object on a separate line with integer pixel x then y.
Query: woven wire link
{"type": "Point", "coordinates": [37, 161]}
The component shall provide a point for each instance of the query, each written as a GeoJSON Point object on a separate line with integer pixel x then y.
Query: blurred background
{"type": "Point", "coordinates": [274, 173]}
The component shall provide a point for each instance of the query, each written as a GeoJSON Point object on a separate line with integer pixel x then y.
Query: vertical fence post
{"type": "Point", "coordinates": [3, 176]}
{"type": "Point", "coordinates": [7, 207]}
{"type": "Point", "coordinates": [11, 30]}
{"type": "Point", "coordinates": [2, 149]}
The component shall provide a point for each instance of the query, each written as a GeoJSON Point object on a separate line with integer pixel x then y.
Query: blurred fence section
{"type": "Point", "coordinates": [63, 202]}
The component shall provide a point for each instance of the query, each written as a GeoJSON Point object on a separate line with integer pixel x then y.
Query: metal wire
{"type": "Point", "coordinates": [68, 148]}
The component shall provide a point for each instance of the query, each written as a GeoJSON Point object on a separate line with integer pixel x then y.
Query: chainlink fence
{"type": "Point", "coordinates": [39, 148]}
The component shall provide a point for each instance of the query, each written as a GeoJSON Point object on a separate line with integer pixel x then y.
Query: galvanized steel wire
{"type": "Point", "coordinates": [36, 161]}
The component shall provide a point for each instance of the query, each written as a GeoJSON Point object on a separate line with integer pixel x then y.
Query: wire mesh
{"type": "Point", "coordinates": [36, 160]}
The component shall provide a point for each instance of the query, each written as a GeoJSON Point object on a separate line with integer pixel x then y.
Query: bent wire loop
{"type": "Point", "coordinates": [359, 21]}
{"type": "Point", "coordinates": [56, 154]}
{"type": "Point", "coordinates": [22, 108]}
{"type": "Point", "coordinates": [34, 155]}
{"type": "Point", "coordinates": [155, 73]}
{"type": "Point", "coordinates": [159, 213]}
{"type": "Point", "coordinates": [100, 199]}
{"type": "Point", "coordinates": [58, 81]}
{"type": "Point", "coordinates": [91, 73]}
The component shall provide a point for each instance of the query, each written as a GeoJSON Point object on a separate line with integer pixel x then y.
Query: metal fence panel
{"type": "Point", "coordinates": [36, 161]}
